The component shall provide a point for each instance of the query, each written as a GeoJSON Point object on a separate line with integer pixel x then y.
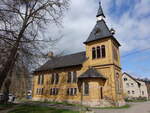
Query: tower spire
{"type": "Point", "coordinates": [100, 15]}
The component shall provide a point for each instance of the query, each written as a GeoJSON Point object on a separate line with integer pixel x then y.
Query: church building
{"type": "Point", "coordinates": [92, 77]}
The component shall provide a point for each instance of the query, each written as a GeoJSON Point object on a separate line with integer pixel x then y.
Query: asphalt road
{"type": "Point", "coordinates": [141, 107]}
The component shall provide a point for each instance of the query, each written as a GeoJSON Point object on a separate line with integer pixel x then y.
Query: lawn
{"type": "Point", "coordinates": [6, 106]}
{"type": "Point", "coordinates": [39, 109]}
{"type": "Point", "coordinates": [121, 107]}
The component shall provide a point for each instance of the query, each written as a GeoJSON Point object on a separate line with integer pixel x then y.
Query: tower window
{"type": "Point", "coordinates": [103, 51]}
{"type": "Point", "coordinates": [93, 53]}
{"type": "Point", "coordinates": [98, 52]}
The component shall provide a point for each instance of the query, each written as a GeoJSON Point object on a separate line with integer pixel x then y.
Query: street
{"type": "Point", "coordinates": [141, 107]}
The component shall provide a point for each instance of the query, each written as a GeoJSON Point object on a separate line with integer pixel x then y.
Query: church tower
{"type": "Point", "coordinates": [101, 45]}
{"type": "Point", "coordinates": [102, 52]}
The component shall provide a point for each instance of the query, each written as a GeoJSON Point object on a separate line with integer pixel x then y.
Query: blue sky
{"type": "Point", "coordinates": [130, 19]}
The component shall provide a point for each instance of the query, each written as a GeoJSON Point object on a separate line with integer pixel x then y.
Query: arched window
{"type": "Point", "coordinates": [93, 53]}
{"type": "Point", "coordinates": [103, 51]}
{"type": "Point", "coordinates": [85, 88]}
{"type": "Point", "coordinates": [98, 52]}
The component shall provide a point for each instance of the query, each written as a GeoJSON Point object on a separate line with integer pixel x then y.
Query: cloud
{"type": "Point", "coordinates": [130, 19]}
{"type": "Point", "coordinates": [131, 26]}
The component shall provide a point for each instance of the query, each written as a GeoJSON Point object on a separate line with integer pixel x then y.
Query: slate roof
{"type": "Point", "coordinates": [132, 78]}
{"type": "Point", "coordinates": [100, 31]}
{"type": "Point", "coordinates": [64, 61]}
{"type": "Point", "coordinates": [91, 73]}
{"type": "Point", "coordinates": [100, 11]}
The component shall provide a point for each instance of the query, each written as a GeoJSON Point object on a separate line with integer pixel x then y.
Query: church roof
{"type": "Point", "coordinates": [100, 31]}
{"type": "Point", "coordinates": [91, 73]}
{"type": "Point", "coordinates": [63, 61]}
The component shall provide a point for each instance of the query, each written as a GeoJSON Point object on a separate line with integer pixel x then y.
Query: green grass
{"type": "Point", "coordinates": [6, 106]}
{"type": "Point", "coordinates": [57, 103]}
{"type": "Point", "coordinates": [39, 109]}
{"type": "Point", "coordinates": [121, 107]}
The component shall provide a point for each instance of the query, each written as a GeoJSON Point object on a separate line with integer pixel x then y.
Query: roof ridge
{"type": "Point", "coordinates": [70, 54]}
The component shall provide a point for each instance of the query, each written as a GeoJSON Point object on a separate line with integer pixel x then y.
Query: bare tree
{"type": "Point", "coordinates": [22, 23]}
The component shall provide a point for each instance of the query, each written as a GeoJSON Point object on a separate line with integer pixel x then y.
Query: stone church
{"type": "Point", "coordinates": [92, 77]}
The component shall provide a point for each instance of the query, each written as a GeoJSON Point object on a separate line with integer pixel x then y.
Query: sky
{"type": "Point", "coordinates": [129, 18]}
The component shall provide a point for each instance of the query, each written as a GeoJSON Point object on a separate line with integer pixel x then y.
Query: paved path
{"type": "Point", "coordinates": [141, 107]}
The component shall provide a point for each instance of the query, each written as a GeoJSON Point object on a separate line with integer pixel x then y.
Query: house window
{"type": "Point", "coordinates": [55, 78]}
{"type": "Point", "coordinates": [132, 84]}
{"type": "Point", "coordinates": [103, 51]}
{"type": "Point", "coordinates": [127, 84]}
{"type": "Point", "coordinates": [71, 91]}
{"type": "Point", "coordinates": [85, 88]}
{"type": "Point", "coordinates": [40, 79]}
{"type": "Point", "coordinates": [128, 92]}
{"type": "Point", "coordinates": [72, 77]}
{"type": "Point", "coordinates": [54, 91]}
{"type": "Point", "coordinates": [133, 92]}
{"type": "Point", "coordinates": [98, 52]}
{"type": "Point", "coordinates": [125, 79]}
{"type": "Point", "coordinates": [93, 53]}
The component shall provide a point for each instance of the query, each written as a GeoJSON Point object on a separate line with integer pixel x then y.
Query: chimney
{"type": "Point", "coordinates": [50, 54]}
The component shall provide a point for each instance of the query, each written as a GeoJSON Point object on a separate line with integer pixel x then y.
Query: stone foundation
{"type": "Point", "coordinates": [101, 103]}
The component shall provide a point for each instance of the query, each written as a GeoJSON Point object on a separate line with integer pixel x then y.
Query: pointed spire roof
{"type": "Point", "coordinates": [100, 11]}
{"type": "Point", "coordinates": [101, 30]}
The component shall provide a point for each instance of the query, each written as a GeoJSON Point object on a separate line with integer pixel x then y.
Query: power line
{"type": "Point", "coordinates": [135, 52]}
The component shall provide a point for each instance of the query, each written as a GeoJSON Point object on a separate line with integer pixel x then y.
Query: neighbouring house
{"type": "Point", "coordinates": [134, 88]}
{"type": "Point", "coordinates": [92, 77]}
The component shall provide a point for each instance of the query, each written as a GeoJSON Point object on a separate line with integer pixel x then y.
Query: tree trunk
{"type": "Point", "coordinates": [13, 54]}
